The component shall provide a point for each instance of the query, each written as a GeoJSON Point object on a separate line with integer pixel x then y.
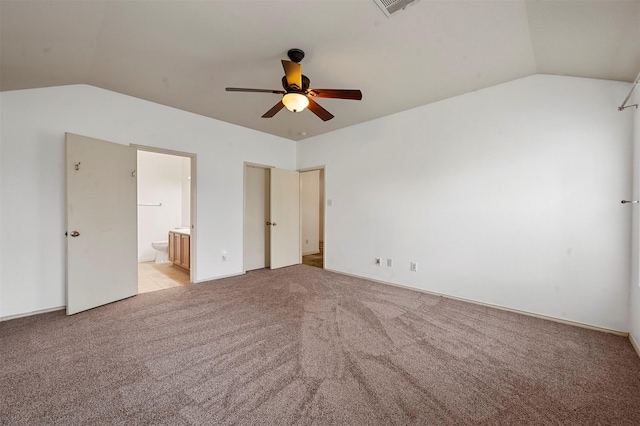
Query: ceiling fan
{"type": "Point", "coordinates": [296, 94]}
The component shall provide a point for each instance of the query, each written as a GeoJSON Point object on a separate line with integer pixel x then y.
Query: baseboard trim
{"type": "Point", "coordinates": [311, 252]}
{"type": "Point", "coordinates": [219, 278]}
{"type": "Point", "coordinates": [490, 305]}
{"type": "Point", "coordinates": [634, 343]}
{"type": "Point", "coordinates": [28, 314]}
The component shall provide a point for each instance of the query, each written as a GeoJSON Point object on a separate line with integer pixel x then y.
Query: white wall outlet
{"type": "Point", "coordinates": [389, 262]}
{"type": "Point", "coordinates": [413, 266]}
{"type": "Point", "coordinates": [378, 261]}
{"type": "Point", "coordinates": [224, 256]}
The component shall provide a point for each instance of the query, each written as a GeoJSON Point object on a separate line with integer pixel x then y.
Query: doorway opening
{"type": "Point", "coordinates": [312, 194]}
{"type": "Point", "coordinates": [166, 189]}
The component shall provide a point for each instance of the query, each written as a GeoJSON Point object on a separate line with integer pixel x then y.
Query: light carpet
{"type": "Point", "coordinates": [305, 346]}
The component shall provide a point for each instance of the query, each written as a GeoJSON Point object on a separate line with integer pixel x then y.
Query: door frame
{"type": "Point", "coordinates": [323, 170]}
{"type": "Point", "coordinates": [192, 207]}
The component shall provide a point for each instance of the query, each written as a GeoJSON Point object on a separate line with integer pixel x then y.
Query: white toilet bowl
{"type": "Point", "coordinates": [162, 251]}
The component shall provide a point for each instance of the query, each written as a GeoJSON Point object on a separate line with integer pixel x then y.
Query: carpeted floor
{"type": "Point", "coordinates": [305, 346]}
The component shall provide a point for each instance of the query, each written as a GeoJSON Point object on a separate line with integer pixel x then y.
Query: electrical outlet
{"type": "Point", "coordinates": [413, 266]}
{"type": "Point", "coordinates": [389, 262]}
{"type": "Point", "coordinates": [378, 261]}
{"type": "Point", "coordinates": [224, 256]}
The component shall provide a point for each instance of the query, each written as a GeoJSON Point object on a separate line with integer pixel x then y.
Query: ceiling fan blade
{"type": "Point", "coordinates": [241, 89]}
{"type": "Point", "coordinates": [293, 72]}
{"type": "Point", "coordinates": [356, 95]}
{"type": "Point", "coordinates": [273, 111]}
{"type": "Point", "coordinates": [319, 111]}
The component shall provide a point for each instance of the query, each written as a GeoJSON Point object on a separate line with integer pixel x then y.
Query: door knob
{"type": "Point", "coordinates": [75, 233]}
{"type": "Point", "coordinates": [268, 223]}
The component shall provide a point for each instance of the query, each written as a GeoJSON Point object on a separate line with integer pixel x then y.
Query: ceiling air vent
{"type": "Point", "coordinates": [391, 7]}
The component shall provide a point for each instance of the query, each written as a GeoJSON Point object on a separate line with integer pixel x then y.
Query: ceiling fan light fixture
{"type": "Point", "coordinates": [295, 102]}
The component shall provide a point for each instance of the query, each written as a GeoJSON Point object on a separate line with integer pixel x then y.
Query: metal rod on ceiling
{"type": "Point", "coordinates": [624, 104]}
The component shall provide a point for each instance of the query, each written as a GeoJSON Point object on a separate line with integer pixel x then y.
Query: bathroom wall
{"type": "Point", "coordinates": [160, 180]}
{"type": "Point", "coordinates": [186, 191]}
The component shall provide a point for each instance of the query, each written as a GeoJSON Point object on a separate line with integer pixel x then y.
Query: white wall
{"type": "Point", "coordinates": [1, 221]}
{"type": "Point", "coordinates": [634, 298]}
{"type": "Point", "coordinates": [33, 123]}
{"type": "Point", "coordinates": [321, 201]}
{"type": "Point", "coordinates": [160, 181]}
{"type": "Point", "coordinates": [508, 196]}
{"type": "Point", "coordinates": [310, 211]}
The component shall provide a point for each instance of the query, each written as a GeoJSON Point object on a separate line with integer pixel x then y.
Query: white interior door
{"type": "Point", "coordinates": [285, 218]}
{"type": "Point", "coordinates": [256, 232]}
{"type": "Point", "coordinates": [101, 223]}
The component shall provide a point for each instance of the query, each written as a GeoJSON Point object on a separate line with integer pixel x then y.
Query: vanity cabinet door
{"type": "Point", "coordinates": [185, 258]}
{"type": "Point", "coordinates": [178, 248]}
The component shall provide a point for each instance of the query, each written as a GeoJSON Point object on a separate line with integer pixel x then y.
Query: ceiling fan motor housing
{"type": "Point", "coordinates": [305, 83]}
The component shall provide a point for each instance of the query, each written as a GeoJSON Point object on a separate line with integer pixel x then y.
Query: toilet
{"type": "Point", "coordinates": [162, 251]}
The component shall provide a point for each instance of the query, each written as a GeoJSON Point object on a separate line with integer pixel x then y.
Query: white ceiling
{"type": "Point", "coordinates": [184, 53]}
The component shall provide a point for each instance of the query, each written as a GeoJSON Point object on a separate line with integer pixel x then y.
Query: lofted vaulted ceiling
{"type": "Point", "coordinates": [184, 53]}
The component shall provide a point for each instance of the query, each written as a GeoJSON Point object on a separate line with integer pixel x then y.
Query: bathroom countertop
{"type": "Point", "coordinates": [186, 231]}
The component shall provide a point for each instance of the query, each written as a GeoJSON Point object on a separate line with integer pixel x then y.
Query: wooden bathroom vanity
{"type": "Point", "coordinates": [179, 248]}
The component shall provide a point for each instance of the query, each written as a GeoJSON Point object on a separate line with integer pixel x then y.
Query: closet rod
{"type": "Point", "coordinates": [624, 104]}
